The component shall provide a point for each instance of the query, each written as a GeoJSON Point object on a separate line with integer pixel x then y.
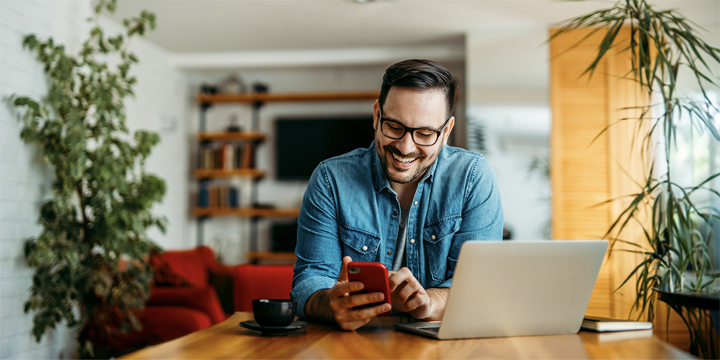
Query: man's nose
{"type": "Point", "coordinates": [406, 145]}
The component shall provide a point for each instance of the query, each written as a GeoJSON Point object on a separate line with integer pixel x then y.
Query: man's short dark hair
{"type": "Point", "coordinates": [421, 75]}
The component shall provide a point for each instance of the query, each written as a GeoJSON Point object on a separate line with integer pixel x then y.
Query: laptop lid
{"type": "Point", "coordinates": [518, 288]}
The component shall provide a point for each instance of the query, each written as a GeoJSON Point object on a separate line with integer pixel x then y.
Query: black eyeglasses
{"type": "Point", "coordinates": [420, 136]}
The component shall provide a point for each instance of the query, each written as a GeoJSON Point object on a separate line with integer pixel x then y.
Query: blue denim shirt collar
{"type": "Point", "coordinates": [380, 181]}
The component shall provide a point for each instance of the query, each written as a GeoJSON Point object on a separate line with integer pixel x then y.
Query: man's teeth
{"type": "Point", "coordinates": [403, 159]}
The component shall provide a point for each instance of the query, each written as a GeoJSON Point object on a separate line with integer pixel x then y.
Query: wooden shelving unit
{"type": "Point", "coordinates": [221, 173]}
{"type": "Point", "coordinates": [292, 97]}
{"type": "Point", "coordinates": [271, 256]}
{"type": "Point", "coordinates": [247, 212]}
{"type": "Point", "coordinates": [231, 136]}
{"type": "Point", "coordinates": [255, 138]}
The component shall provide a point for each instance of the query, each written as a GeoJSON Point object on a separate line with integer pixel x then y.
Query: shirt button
{"type": "Point", "coordinates": [364, 248]}
{"type": "Point", "coordinates": [395, 213]}
{"type": "Point", "coordinates": [389, 252]}
{"type": "Point", "coordinates": [412, 241]}
{"type": "Point", "coordinates": [432, 237]}
{"type": "Point", "coordinates": [416, 203]}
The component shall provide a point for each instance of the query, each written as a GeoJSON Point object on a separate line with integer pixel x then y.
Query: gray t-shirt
{"type": "Point", "coordinates": [399, 261]}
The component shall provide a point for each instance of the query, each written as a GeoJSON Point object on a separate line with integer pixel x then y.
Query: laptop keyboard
{"type": "Point", "coordinates": [430, 328]}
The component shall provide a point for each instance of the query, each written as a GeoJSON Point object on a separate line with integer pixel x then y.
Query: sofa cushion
{"type": "Point", "coordinates": [164, 323]}
{"type": "Point", "coordinates": [192, 265]}
{"type": "Point", "coordinates": [166, 276]}
{"type": "Point", "coordinates": [203, 299]}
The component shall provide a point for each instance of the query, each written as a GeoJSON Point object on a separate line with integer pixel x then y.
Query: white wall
{"type": "Point", "coordinates": [231, 234]}
{"type": "Point", "coordinates": [508, 81]}
{"type": "Point", "coordinates": [159, 105]}
{"type": "Point", "coordinates": [508, 65]}
{"type": "Point", "coordinates": [25, 179]}
{"type": "Point", "coordinates": [516, 136]}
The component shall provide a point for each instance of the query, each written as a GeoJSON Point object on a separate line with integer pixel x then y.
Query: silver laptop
{"type": "Point", "coordinates": [518, 288]}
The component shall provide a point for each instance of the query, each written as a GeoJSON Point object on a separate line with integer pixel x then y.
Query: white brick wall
{"type": "Point", "coordinates": [25, 179]}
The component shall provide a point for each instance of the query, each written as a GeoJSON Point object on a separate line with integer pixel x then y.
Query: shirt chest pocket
{"type": "Point", "coordinates": [358, 244]}
{"type": "Point", "coordinates": [437, 239]}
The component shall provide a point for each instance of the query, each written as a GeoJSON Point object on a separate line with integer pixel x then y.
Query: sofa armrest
{"type": "Point", "coordinates": [204, 299]}
{"type": "Point", "coordinates": [261, 282]}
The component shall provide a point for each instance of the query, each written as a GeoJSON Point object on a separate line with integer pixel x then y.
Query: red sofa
{"type": "Point", "coordinates": [174, 311]}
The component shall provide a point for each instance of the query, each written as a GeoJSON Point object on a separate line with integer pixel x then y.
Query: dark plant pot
{"type": "Point", "coordinates": [703, 301]}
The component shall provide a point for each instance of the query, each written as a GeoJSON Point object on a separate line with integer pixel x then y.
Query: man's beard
{"type": "Point", "coordinates": [419, 171]}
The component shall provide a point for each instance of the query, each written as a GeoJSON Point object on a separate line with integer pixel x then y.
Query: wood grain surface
{"type": "Point", "coordinates": [378, 340]}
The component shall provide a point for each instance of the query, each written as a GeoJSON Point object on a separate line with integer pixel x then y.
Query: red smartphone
{"type": "Point", "coordinates": [375, 277]}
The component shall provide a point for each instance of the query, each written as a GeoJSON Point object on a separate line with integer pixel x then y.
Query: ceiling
{"type": "Point", "coordinates": [197, 26]}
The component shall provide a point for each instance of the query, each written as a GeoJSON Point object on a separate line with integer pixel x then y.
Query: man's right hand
{"type": "Point", "coordinates": [342, 304]}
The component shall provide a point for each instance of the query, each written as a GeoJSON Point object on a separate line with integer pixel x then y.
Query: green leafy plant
{"type": "Point", "coordinates": [90, 259]}
{"type": "Point", "coordinates": [661, 43]}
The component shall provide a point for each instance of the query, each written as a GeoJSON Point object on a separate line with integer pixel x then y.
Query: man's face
{"type": "Point", "coordinates": [403, 160]}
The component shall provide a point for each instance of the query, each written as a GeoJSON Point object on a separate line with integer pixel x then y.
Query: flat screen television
{"type": "Point", "coordinates": [302, 143]}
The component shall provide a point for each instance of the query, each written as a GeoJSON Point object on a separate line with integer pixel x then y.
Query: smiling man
{"type": "Point", "coordinates": [408, 201]}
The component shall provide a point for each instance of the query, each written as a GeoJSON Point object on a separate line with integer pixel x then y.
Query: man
{"type": "Point", "coordinates": [408, 201]}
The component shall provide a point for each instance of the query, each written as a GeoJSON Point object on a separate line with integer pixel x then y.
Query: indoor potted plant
{"type": "Point", "coordinates": [677, 237]}
{"type": "Point", "coordinates": [90, 259]}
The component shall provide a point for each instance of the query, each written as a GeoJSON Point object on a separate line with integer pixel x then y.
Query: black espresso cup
{"type": "Point", "coordinates": [274, 312]}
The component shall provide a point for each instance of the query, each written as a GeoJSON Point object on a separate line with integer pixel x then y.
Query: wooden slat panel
{"type": "Point", "coordinates": [579, 168]}
{"type": "Point", "coordinates": [584, 175]}
{"type": "Point", "coordinates": [627, 168]}
{"type": "Point", "coordinates": [673, 331]}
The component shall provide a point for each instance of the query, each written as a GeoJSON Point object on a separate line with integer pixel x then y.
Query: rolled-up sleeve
{"type": "Point", "coordinates": [318, 250]}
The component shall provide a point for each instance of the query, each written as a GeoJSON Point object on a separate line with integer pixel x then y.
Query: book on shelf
{"type": "Point", "coordinates": [226, 156]}
{"type": "Point", "coordinates": [207, 158]}
{"type": "Point", "coordinates": [600, 324]}
{"type": "Point", "coordinates": [248, 159]}
{"type": "Point", "coordinates": [233, 201]}
{"type": "Point", "coordinates": [240, 156]}
{"type": "Point", "coordinates": [203, 196]}
{"type": "Point", "coordinates": [218, 196]}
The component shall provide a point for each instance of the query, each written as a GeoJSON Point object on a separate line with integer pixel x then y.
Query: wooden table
{"type": "Point", "coordinates": [379, 340]}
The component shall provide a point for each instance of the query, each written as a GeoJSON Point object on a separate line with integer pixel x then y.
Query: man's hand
{"type": "Point", "coordinates": [341, 304]}
{"type": "Point", "coordinates": [409, 296]}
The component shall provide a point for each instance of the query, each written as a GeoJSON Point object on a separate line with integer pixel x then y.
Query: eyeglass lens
{"type": "Point", "coordinates": [396, 130]}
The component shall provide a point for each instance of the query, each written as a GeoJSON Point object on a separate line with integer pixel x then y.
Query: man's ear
{"type": "Point", "coordinates": [448, 130]}
{"type": "Point", "coordinates": [376, 114]}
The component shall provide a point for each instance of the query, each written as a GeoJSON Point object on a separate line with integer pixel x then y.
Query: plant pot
{"type": "Point", "coordinates": [680, 301]}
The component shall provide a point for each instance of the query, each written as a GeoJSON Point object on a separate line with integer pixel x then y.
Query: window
{"type": "Point", "coordinates": [694, 159]}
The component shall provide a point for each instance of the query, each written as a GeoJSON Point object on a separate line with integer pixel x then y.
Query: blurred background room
{"type": "Point", "coordinates": [498, 50]}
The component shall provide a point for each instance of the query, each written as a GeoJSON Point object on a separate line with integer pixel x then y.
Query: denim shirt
{"type": "Point", "coordinates": [350, 209]}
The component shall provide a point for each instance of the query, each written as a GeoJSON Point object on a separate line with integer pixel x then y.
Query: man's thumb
{"type": "Point", "coordinates": [343, 270]}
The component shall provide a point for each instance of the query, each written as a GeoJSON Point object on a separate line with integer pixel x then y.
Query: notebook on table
{"type": "Point", "coordinates": [601, 324]}
{"type": "Point", "coordinates": [518, 288]}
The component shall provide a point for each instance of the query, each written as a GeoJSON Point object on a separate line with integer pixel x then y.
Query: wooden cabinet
{"type": "Point", "coordinates": [249, 167]}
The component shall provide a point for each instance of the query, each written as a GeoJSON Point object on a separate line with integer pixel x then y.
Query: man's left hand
{"type": "Point", "coordinates": [409, 296]}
